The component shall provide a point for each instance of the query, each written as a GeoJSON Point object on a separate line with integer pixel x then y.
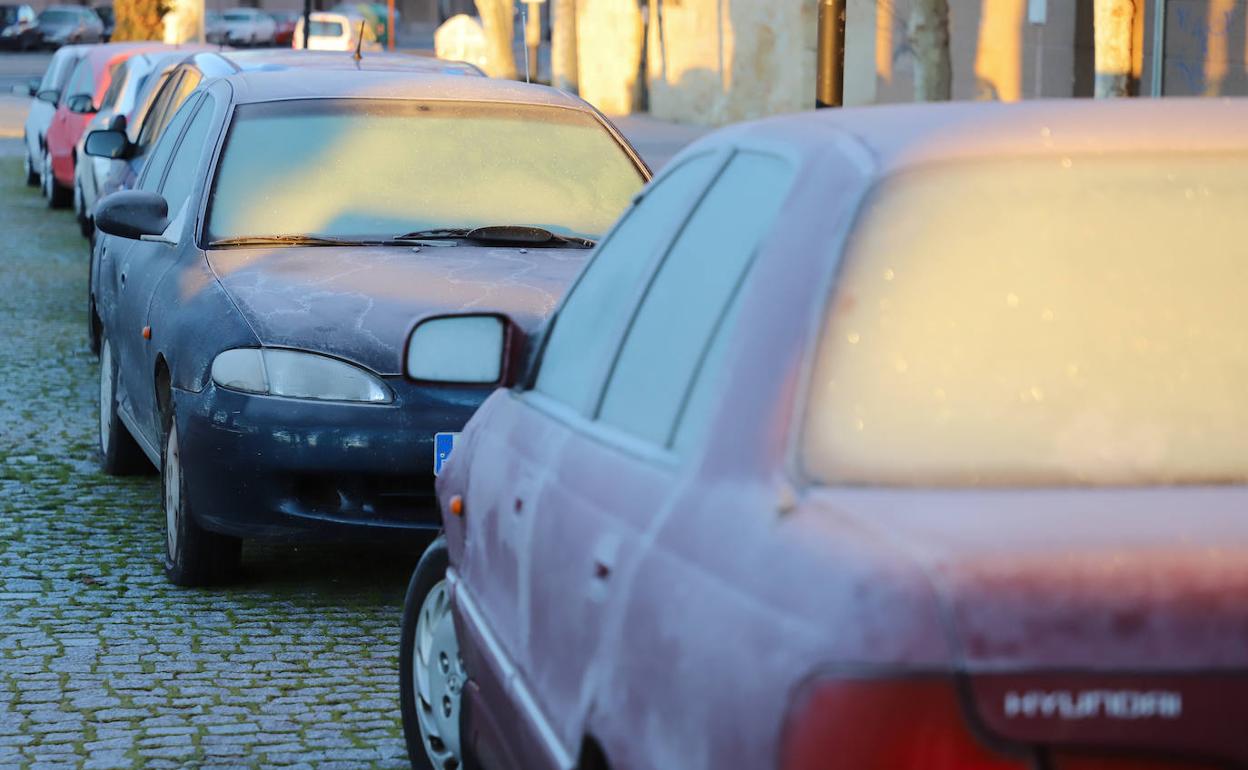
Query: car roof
{"type": "Point", "coordinates": [222, 63]}
{"type": "Point", "coordinates": [102, 54]}
{"type": "Point", "coordinates": [887, 139]}
{"type": "Point", "coordinates": [893, 137]}
{"type": "Point", "coordinates": [258, 86]}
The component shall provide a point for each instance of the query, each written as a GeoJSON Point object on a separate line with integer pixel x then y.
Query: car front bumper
{"type": "Point", "coordinates": [291, 469]}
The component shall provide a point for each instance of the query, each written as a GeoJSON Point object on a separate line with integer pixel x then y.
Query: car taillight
{"type": "Point", "coordinates": [886, 724]}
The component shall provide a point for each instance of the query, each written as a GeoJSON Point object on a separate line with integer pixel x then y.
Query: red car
{"type": "Point", "coordinates": [902, 438]}
{"type": "Point", "coordinates": [78, 103]}
{"type": "Point", "coordinates": [286, 21]}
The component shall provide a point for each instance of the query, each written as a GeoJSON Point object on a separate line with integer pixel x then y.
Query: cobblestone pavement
{"type": "Point", "coordinates": [102, 664]}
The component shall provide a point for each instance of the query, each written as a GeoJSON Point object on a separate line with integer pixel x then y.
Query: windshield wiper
{"type": "Point", "coordinates": [287, 240]}
{"type": "Point", "coordinates": [522, 235]}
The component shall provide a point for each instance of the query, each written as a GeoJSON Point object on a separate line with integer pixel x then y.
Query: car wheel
{"type": "Point", "coordinates": [193, 555]}
{"type": "Point", "coordinates": [80, 211]}
{"type": "Point", "coordinates": [93, 323]}
{"type": "Point", "coordinates": [28, 169]}
{"type": "Point", "coordinates": [58, 197]}
{"type": "Point", "coordinates": [119, 452]}
{"type": "Point", "coordinates": [431, 672]}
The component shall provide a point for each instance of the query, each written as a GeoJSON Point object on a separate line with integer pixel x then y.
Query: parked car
{"type": "Point", "coordinates": [376, 14]}
{"type": "Point", "coordinates": [126, 95]}
{"type": "Point", "coordinates": [69, 25]}
{"type": "Point", "coordinates": [337, 32]}
{"type": "Point", "coordinates": [46, 92]}
{"type": "Point", "coordinates": [19, 29]}
{"type": "Point", "coordinates": [904, 437]}
{"type": "Point", "coordinates": [248, 27]}
{"type": "Point", "coordinates": [215, 28]}
{"type": "Point", "coordinates": [254, 292]}
{"type": "Point", "coordinates": [79, 101]}
{"type": "Point", "coordinates": [109, 18]}
{"type": "Point", "coordinates": [286, 21]}
{"type": "Point", "coordinates": [169, 87]}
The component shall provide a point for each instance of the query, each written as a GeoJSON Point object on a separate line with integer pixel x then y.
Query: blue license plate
{"type": "Point", "coordinates": [443, 443]}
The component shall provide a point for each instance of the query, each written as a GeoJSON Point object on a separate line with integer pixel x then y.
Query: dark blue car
{"type": "Point", "coordinates": [255, 289]}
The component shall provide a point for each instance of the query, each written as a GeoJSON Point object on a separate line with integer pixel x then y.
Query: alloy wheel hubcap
{"type": "Point", "coordinates": [106, 395]}
{"type": "Point", "coordinates": [173, 493]}
{"type": "Point", "coordinates": [439, 676]}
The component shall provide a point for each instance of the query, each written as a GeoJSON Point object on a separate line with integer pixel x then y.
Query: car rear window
{"type": "Point", "coordinates": [56, 16]}
{"type": "Point", "coordinates": [326, 29]}
{"type": "Point", "coordinates": [1040, 322]}
{"type": "Point", "coordinates": [377, 168]}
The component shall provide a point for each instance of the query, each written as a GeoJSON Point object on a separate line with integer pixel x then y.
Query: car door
{"type": "Point", "coordinates": [612, 478]}
{"type": "Point", "coordinates": [142, 264]}
{"type": "Point", "coordinates": [514, 478]}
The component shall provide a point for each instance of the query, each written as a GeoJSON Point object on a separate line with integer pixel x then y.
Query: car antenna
{"type": "Point", "coordinates": [359, 41]}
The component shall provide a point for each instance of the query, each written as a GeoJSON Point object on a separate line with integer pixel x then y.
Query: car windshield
{"type": "Point", "coordinates": [376, 168]}
{"type": "Point", "coordinates": [1045, 322]}
{"type": "Point", "coordinates": [326, 28]}
{"type": "Point", "coordinates": [54, 16]}
{"type": "Point", "coordinates": [8, 14]}
{"type": "Point", "coordinates": [237, 17]}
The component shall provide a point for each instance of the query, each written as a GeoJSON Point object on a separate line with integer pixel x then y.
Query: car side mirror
{"type": "Point", "coordinates": [111, 143]}
{"type": "Point", "coordinates": [49, 95]}
{"type": "Point", "coordinates": [465, 349]}
{"type": "Point", "coordinates": [132, 214]}
{"type": "Point", "coordinates": [24, 89]}
{"type": "Point", "coordinates": [82, 104]}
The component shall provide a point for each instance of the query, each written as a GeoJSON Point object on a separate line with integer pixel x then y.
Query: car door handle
{"type": "Point", "coordinates": [602, 570]}
{"type": "Point", "coordinates": [123, 279]}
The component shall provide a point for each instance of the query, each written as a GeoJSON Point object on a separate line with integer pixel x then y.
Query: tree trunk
{"type": "Point", "coordinates": [929, 40]}
{"type": "Point", "coordinates": [563, 45]}
{"type": "Point", "coordinates": [498, 20]}
{"type": "Point", "coordinates": [1112, 22]}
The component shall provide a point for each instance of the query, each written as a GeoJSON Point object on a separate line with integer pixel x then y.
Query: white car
{"type": "Point", "coordinates": [336, 32]}
{"type": "Point", "coordinates": [47, 91]}
{"type": "Point", "coordinates": [249, 26]}
{"type": "Point", "coordinates": [130, 84]}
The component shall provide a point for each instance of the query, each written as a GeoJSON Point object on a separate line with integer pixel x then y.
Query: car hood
{"type": "Point", "coordinates": [359, 303]}
{"type": "Point", "coordinates": [1077, 579]}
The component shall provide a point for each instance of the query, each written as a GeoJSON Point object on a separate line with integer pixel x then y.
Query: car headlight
{"type": "Point", "coordinates": [294, 374]}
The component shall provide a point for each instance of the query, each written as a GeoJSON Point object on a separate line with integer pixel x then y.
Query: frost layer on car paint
{"type": "Point", "coordinates": [1028, 321]}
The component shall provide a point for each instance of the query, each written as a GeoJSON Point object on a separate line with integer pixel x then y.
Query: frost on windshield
{"type": "Point", "coordinates": [1056, 321]}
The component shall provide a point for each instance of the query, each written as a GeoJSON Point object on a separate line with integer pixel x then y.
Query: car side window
{"type": "Point", "coordinates": [154, 170]}
{"type": "Point", "coordinates": [597, 309]}
{"type": "Point", "coordinates": [176, 92]}
{"type": "Point", "coordinates": [690, 294]}
{"type": "Point", "coordinates": [181, 175]}
{"type": "Point", "coordinates": [80, 82]}
{"type": "Point", "coordinates": [152, 121]}
{"type": "Point", "coordinates": [117, 76]}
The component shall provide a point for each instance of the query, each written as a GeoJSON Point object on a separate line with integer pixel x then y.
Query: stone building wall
{"type": "Point", "coordinates": [714, 62]}
{"type": "Point", "coordinates": [721, 61]}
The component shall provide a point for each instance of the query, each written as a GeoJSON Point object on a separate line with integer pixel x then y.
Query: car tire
{"type": "Point", "coordinates": [193, 556]}
{"type": "Point", "coordinates": [120, 454]}
{"type": "Point", "coordinates": [29, 170]}
{"type": "Point", "coordinates": [85, 226]}
{"type": "Point", "coordinates": [57, 196]}
{"type": "Point", "coordinates": [431, 672]}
